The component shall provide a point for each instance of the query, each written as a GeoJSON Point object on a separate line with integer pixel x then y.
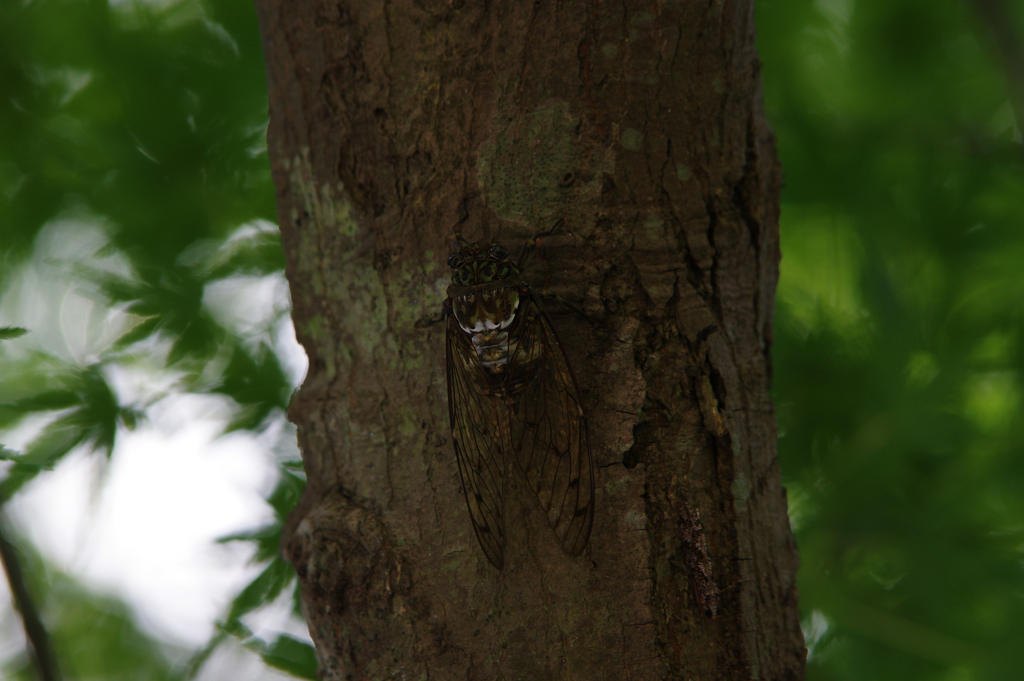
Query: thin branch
{"type": "Point", "coordinates": [41, 652]}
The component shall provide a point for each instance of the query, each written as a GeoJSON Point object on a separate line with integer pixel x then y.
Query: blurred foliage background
{"type": "Point", "coordinates": [898, 357]}
{"type": "Point", "coordinates": [137, 214]}
{"type": "Point", "coordinates": [135, 192]}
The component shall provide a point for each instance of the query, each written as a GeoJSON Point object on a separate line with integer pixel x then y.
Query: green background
{"type": "Point", "coordinates": [898, 353]}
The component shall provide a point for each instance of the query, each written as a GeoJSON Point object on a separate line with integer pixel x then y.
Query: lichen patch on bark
{"type": "Point", "coordinates": [534, 165]}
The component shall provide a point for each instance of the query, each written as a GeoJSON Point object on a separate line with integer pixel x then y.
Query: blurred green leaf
{"type": "Point", "coordinates": [290, 655]}
{"type": "Point", "coordinates": [286, 494]}
{"type": "Point", "coordinates": [267, 539]}
{"type": "Point", "coordinates": [257, 384]}
{"type": "Point", "coordinates": [98, 638]}
{"type": "Point", "coordinates": [9, 332]}
{"type": "Point", "coordinates": [51, 400]}
{"type": "Point", "coordinates": [261, 591]}
{"type": "Point", "coordinates": [87, 413]}
{"type": "Point", "coordinates": [285, 653]}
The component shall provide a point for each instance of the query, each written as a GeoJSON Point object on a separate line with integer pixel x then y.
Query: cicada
{"type": "Point", "coordinates": [513, 400]}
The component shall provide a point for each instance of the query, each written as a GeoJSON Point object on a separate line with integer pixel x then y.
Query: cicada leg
{"type": "Point", "coordinates": [561, 301]}
{"type": "Point", "coordinates": [430, 321]}
{"type": "Point", "coordinates": [531, 244]}
{"type": "Point", "coordinates": [457, 237]}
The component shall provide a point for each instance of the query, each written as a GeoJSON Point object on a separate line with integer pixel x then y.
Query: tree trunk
{"type": "Point", "coordinates": [639, 123]}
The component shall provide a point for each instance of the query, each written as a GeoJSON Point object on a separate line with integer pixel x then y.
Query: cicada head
{"type": "Point", "coordinates": [484, 293]}
{"type": "Point", "coordinates": [480, 264]}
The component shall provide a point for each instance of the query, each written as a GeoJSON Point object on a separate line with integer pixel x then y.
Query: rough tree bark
{"type": "Point", "coordinates": [641, 124]}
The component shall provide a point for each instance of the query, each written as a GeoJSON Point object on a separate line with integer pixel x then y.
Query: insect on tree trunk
{"type": "Point", "coordinates": [641, 125]}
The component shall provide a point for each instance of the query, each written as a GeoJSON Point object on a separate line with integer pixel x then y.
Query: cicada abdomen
{"type": "Point", "coordinates": [512, 397]}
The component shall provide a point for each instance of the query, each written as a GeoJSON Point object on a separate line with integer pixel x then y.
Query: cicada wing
{"type": "Point", "coordinates": [549, 431]}
{"type": "Point", "coordinates": [478, 421]}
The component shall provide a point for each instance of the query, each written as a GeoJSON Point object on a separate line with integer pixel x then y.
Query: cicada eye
{"type": "Point", "coordinates": [499, 252]}
{"type": "Point", "coordinates": [454, 260]}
